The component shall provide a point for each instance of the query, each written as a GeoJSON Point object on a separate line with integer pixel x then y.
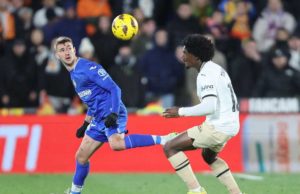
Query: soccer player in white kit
{"type": "Point", "coordinates": [219, 104]}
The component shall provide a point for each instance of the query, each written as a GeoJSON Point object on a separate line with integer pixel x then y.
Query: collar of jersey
{"type": "Point", "coordinates": [76, 64]}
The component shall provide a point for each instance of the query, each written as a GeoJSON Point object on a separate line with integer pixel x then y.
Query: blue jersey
{"type": "Point", "coordinates": [97, 90]}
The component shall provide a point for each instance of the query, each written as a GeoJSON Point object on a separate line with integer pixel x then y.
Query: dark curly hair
{"type": "Point", "coordinates": [200, 46]}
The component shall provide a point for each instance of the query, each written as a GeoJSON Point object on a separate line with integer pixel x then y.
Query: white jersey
{"type": "Point", "coordinates": [213, 80]}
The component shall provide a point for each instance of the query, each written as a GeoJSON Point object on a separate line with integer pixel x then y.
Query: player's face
{"type": "Point", "coordinates": [189, 59]}
{"type": "Point", "coordinates": [66, 53]}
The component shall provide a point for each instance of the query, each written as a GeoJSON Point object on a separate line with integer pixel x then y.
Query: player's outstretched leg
{"type": "Point", "coordinates": [137, 140]}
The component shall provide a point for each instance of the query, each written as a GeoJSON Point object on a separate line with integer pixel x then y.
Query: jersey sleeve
{"type": "Point", "coordinates": [206, 86]}
{"type": "Point", "coordinates": [99, 76]}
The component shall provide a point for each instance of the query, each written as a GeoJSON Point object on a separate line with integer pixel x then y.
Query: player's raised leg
{"type": "Point", "coordinates": [86, 149]}
{"type": "Point", "coordinates": [174, 152]}
{"type": "Point", "coordinates": [120, 142]}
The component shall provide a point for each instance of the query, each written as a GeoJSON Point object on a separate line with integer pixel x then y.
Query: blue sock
{"type": "Point", "coordinates": [81, 173]}
{"type": "Point", "coordinates": [135, 140]}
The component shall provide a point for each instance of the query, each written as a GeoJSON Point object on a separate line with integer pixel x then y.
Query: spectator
{"type": "Point", "coordinates": [23, 23]}
{"type": "Point", "coordinates": [18, 85]}
{"type": "Point", "coordinates": [139, 15]}
{"type": "Point", "coordinates": [40, 18]}
{"type": "Point", "coordinates": [230, 8]}
{"type": "Point", "coordinates": [182, 24]}
{"type": "Point", "coordinates": [48, 28]}
{"type": "Point", "coordinates": [147, 7]}
{"type": "Point", "coordinates": [245, 69]}
{"type": "Point", "coordinates": [105, 44]}
{"type": "Point", "coordinates": [278, 79]}
{"type": "Point", "coordinates": [93, 8]}
{"type": "Point", "coordinates": [39, 52]}
{"type": "Point", "coordinates": [202, 9]}
{"type": "Point", "coordinates": [7, 22]}
{"type": "Point", "coordinates": [127, 76]}
{"type": "Point", "coordinates": [86, 49]}
{"type": "Point", "coordinates": [144, 40]}
{"type": "Point", "coordinates": [281, 38]}
{"type": "Point", "coordinates": [294, 47]}
{"type": "Point", "coordinates": [241, 23]}
{"type": "Point", "coordinates": [215, 25]}
{"type": "Point", "coordinates": [68, 25]}
{"type": "Point", "coordinates": [272, 18]}
{"type": "Point", "coordinates": [162, 70]}
{"type": "Point", "coordinates": [56, 85]}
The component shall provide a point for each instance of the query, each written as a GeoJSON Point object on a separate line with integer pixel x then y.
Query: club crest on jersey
{"type": "Point", "coordinates": [102, 73]}
{"type": "Point", "coordinates": [207, 87]}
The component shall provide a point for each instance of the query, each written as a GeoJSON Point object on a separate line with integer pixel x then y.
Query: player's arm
{"type": "Point", "coordinates": [102, 79]}
{"type": "Point", "coordinates": [207, 106]}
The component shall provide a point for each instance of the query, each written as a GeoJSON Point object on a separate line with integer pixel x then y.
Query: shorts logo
{"type": "Point", "coordinates": [207, 87]}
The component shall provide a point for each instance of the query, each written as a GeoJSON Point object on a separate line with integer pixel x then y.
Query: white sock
{"type": "Point", "coordinates": [156, 139]}
{"type": "Point", "coordinates": [162, 140]}
{"type": "Point", "coordinates": [76, 188]}
{"type": "Point", "coordinates": [196, 190]}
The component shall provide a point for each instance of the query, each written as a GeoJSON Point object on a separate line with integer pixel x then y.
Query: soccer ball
{"type": "Point", "coordinates": [124, 27]}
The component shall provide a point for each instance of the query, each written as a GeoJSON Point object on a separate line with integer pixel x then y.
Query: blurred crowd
{"type": "Point", "coordinates": [257, 42]}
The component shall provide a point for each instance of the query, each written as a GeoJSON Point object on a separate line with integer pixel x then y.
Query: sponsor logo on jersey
{"type": "Point", "coordinates": [85, 93]}
{"type": "Point", "coordinates": [207, 87]}
{"type": "Point", "coordinates": [93, 67]}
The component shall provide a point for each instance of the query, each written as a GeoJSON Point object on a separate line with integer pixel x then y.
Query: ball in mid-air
{"type": "Point", "coordinates": [124, 27]}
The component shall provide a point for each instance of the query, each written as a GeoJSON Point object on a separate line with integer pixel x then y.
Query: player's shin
{"type": "Point", "coordinates": [81, 173]}
{"type": "Point", "coordinates": [222, 172]}
{"type": "Point", "coordinates": [182, 166]}
{"type": "Point", "coordinates": [135, 140]}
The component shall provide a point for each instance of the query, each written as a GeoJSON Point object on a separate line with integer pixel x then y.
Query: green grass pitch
{"type": "Point", "coordinates": [142, 184]}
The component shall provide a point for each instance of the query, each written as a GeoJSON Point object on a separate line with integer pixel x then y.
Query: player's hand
{"type": "Point", "coordinates": [171, 112]}
{"type": "Point", "coordinates": [111, 120]}
{"type": "Point", "coordinates": [80, 132]}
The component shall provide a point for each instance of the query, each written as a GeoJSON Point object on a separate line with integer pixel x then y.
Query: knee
{"type": "Point", "coordinates": [209, 156]}
{"type": "Point", "coordinates": [169, 149]}
{"type": "Point", "coordinates": [117, 144]}
{"type": "Point", "coordinates": [81, 158]}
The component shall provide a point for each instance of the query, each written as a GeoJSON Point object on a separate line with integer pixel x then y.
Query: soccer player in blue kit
{"type": "Point", "coordinates": [106, 117]}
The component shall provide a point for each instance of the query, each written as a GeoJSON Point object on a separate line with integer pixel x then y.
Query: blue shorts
{"type": "Point", "coordinates": [98, 132]}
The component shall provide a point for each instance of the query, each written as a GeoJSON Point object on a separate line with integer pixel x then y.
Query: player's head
{"type": "Point", "coordinates": [64, 50]}
{"type": "Point", "coordinates": [196, 50]}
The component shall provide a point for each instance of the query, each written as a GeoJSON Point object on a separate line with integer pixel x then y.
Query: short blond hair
{"type": "Point", "coordinates": [61, 40]}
